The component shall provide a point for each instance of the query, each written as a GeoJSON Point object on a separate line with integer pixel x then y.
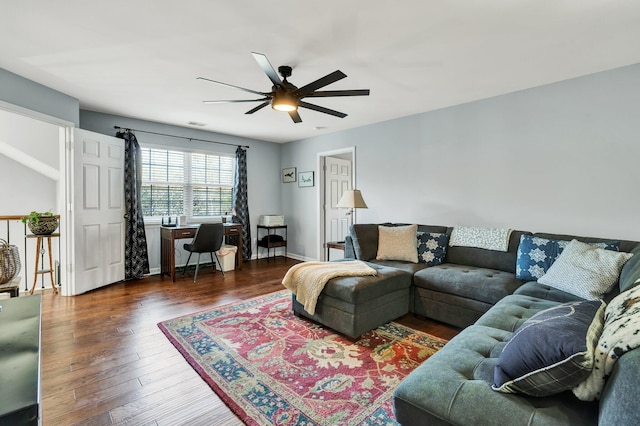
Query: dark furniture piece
{"type": "Point", "coordinates": [338, 245]}
{"type": "Point", "coordinates": [208, 239]}
{"type": "Point", "coordinates": [12, 287]}
{"type": "Point", "coordinates": [20, 361]}
{"type": "Point", "coordinates": [272, 240]}
{"type": "Point", "coordinates": [355, 305]}
{"type": "Point", "coordinates": [169, 235]}
{"type": "Point", "coordinates": [477, 289]}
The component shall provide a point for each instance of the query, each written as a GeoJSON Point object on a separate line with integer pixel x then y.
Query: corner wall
{"type": "Point", "coordinates": [559, 158]}
{"type": "Point", "coordinates": [28, 94]}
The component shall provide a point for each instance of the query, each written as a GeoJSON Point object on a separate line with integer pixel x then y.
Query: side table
{"type": "Point", "coordinates": [12, 287]}
{"type": "Point", "coordinates": [338, 245]}
{"type": "Point", "coordinates": [272, 240]}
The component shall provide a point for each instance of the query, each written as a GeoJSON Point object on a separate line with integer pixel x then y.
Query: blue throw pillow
{"type": "Point", "coordinates": [553, 351]}
{"type": "Point", "coordinates": [536, 255]}
{"type": "Point", "coordinates": [432, 247]}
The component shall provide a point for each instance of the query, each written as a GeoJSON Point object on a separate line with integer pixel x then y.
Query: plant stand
{"type": "Point", "coordinates": [40, 251]}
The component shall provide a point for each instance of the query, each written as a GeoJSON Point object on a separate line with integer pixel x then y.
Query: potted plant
{"type": "Point", "coordinates": [41, 223]}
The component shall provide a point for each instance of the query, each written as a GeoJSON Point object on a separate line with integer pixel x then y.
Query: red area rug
{"type": "Point", "coordinates": [271, 367]}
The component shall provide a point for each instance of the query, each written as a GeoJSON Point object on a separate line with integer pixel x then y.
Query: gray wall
{"type": "Point", "coordinates": [263, 158]}
{"type": "Point", "coordinates": [28, 94]}
{"type": "Point", "coordinates": [23, 188]}
{"type": "Point", "coordinates": [558, 158]}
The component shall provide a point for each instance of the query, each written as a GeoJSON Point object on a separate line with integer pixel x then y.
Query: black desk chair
{"type": "Point", "coordinates": [208, 239]}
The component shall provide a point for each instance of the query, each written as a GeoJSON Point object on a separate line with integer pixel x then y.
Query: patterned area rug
{"type": "Point", "coordinates": [271, 367]}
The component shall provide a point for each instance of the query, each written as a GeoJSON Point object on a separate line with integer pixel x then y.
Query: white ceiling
{"type": "Point", "coordinates": [140, 58]}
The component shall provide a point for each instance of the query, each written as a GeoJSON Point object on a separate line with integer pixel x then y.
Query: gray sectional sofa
{"type": "Point", "coordinates": [477, 290]}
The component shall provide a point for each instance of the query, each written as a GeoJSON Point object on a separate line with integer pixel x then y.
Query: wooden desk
{"type": "Point", "coordinates": [169, 235]}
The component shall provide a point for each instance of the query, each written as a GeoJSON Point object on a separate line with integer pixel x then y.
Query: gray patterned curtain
{"type": "Point", "coordinates": [136, 259]}
{"type": "Point", "coordinates": [241, 202]}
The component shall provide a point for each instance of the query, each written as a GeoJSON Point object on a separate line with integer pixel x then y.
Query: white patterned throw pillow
{"type": "Point", "coordinates": [484, 238]}
{"type": "Point", "coordinates": [397, 243]}
{"type": "Point", "coordinates": [585, 271]}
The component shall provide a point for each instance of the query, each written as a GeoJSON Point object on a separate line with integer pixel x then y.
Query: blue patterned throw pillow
{"type": "Point", "coordinates": [536, 255]}
{"type": "Point", "coordinates": [432, 247]}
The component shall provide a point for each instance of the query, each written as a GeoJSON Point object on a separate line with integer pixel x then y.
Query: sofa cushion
{"type": "Point", "coordinates": [356, 290]}
{"type": "Point", "coordinates": [620, 395]}
{"type": "Point", "coordinates": [625, 245]}
{"type": "Point", "coordinates": [553, 351]}
{"type": "Point", "coordinates": [410, 267]}
{"type": "Point", "coordinates": [432, 247]}
{"type": "Point", "coordinates": [536, 255]}
{"type": "Point", "coordinates": [397, 243]}
{"type": "Point", "coordinates": [454, 387]}
{"type": "Point", "coordinates": [483, 258]}
{"type": "Point", "coordinates": [448, 308]}
{"type": "Point", "coordinates": [541, 291]}
{"type": "Point", "coordinates": [585, 270]}
{"type": "Point", "coordinates": [630, 274]}
{"type": "Point", "coordinates": [485, 285]}
{"type": "Point", "coordinates": [365, 240]}
{"type": "Point", "coordinates": [512, 311]}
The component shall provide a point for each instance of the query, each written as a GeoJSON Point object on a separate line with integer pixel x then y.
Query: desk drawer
{"type": "Point", "coordinates": [184, 233]}
{"type": "Point", "coordinates": [231, 230]}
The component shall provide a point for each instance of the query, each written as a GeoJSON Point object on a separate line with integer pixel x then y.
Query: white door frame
{"type": "Point", "coordinates": [65, 130]}
{"type": "Point", "coordinates": [321, 189]}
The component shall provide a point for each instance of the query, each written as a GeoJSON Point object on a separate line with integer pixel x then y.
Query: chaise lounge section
{"type": "Point", "coordinates": [355, 305]}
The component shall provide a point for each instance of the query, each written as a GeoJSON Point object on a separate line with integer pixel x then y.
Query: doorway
{"type": "Point", "coordinates": [337, 174]}
{"type": "Point", "coordinates": [32, 158]}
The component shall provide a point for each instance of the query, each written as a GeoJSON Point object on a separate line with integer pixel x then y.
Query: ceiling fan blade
{"type": "Point", "coordinates": [295, 116]}
{"type": "Point", "coordinates": [259, 107]}
{"type": "Point", "coordinates": [327, 93]}
{"type": "Point", "coordinates": [321, 82]}
{"type": "Point", "coordinates": [321, 109]}
{"type": "Point", "coordinates": [230, 101]}
{"type": "Point", "coordinates": [267, 68]}
{"type": "Point", "coordinates": [235, 87]}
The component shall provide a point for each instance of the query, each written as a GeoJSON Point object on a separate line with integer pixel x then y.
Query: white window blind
{"type": "Point", "coordinates": [194, 184]}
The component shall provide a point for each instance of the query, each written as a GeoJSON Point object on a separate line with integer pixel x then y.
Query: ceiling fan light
{"type": "Point", "coordinates": [284, 103]}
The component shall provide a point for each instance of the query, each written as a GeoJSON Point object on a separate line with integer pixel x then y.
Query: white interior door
{"type": "Point", "coordinates": [338, 178]}
{"type": "Point", "coordinates": [97, 210]}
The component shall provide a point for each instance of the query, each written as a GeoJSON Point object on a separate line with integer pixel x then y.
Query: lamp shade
{"type": "Point", "coordinates": [352, 199]}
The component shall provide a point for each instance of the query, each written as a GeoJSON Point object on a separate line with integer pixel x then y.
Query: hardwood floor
{"type": "Point", "coordinates": [105, 361]}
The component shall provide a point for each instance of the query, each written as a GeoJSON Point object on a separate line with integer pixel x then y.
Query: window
{"type": "Point", "coordinates": [185, 183]}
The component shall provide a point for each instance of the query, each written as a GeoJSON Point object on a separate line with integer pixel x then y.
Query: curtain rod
{"type": "Point", "coordinates": [126, 129]}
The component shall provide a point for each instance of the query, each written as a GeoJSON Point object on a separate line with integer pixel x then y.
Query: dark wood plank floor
{"type": "Point", "coordinates": [105, 361]}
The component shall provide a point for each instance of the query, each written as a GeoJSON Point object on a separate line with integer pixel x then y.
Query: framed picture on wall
{"type": "Point", "coordinates": [305, 179]}
{"type": "Point", "coordinates": [289, 175]}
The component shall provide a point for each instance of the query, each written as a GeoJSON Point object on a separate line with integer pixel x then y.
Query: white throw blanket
{"type": "Point", "coordinates": [306, 280]}
{"type": "Point", "coordinates": [484, 238]}
{"type": "Point", "coordinates": [620, 335]}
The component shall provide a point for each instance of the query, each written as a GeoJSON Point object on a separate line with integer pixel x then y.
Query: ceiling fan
{"type": "Point", "coordinates": [284, 96]}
